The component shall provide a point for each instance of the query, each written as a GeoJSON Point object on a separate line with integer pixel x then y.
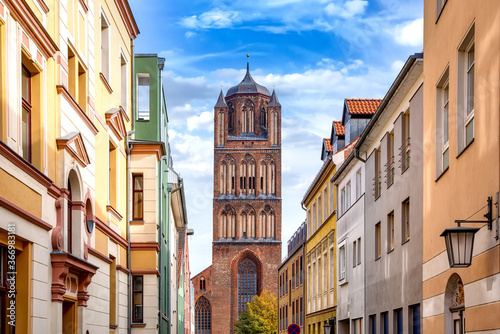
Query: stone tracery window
{"type": "Point", "coordinates": [203, 316]}
{"type": "Point", "coordinates": [247, 283]}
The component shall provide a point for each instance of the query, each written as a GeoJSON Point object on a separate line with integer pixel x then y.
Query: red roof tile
{"type": "Point", "coordinates": [339, 128]}
{"type": "Point", "coordinates": [329, 148]}
{"type": "Point", "coordinates": [362, 106]}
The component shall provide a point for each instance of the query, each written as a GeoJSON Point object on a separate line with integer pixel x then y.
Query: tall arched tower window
{"type": "Point", "coordinates": [223, 178]}
{"type": "Point", "coordinates": [231, 117]}
{"type": "Point", "coordinates": [247, 283]}
{"type": "Point", "coordinates": [243, 177]}
{"type": "Point", "coordinates": [263, 117]}
{"type": "Point", "coordinates": [203, 316]}
{"type": "Point", "coordinates": [263, 178]}
{"type": "Point", "coordinates": [251, 177]}
{"type": "Point", "coordinates": [220, 130]}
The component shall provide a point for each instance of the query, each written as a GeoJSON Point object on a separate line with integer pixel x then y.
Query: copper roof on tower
{"type": "Point", "coordinates": [248, 86]}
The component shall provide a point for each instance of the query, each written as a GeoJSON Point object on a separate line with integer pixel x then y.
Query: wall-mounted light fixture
{"type": "Point", "coordinates": [330, 325]}
{"type": "Point", "coordinates": [460, 240]}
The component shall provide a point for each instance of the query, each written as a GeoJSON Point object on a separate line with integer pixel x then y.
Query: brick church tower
{"type": "Point", "coordinates": [246, 247]}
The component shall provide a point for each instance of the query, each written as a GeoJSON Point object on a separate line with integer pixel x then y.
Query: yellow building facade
{"type": "Point", "coordinates": [65, 110]}
{"type": "Point", "coordinates": [292, 283]}
{"type": "Point", "coordinates": [461, 162]}
{"type": "Point", "coordinates": [320, 250]}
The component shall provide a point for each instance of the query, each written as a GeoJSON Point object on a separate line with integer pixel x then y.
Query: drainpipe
{"type": "Point", "coordinates": [127, 148]}
{"type": "Point", "coordinates": [160, 257]}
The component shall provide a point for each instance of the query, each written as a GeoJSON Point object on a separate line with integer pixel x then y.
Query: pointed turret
{"type": "Point", "coordinates": [221, 102]}
{"type": "Point", "coordinates": [274, 102]}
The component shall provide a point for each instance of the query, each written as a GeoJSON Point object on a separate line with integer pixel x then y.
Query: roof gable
{"type": "Point", "coordinates": [360, 108]}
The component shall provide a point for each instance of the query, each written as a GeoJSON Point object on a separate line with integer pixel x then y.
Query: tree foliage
{"type": "Point", "coordinates": [260, 316]}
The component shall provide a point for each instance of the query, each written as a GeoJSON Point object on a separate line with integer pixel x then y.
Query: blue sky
{"type": "Point", "coordinates": [314, 53]}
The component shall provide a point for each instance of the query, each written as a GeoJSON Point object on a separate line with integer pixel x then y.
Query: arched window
{"type": "Point", "coordinates": [262, 225]}
{"type": "Point", "coordinates": [203, 316]}
{"type": "Point", "coordinates": [263, 178]}
{"type": "Point", "coordinates": [263, 117]}
{"type": "Point", "coordinates": [251, 177]}
{"type": "Point", "coordinates": [70, 219]}
{"type": "Point", "coordinates": [231, 117]}
{"type": "Point", "coordinates": [243, 177]}
{"type": "Point", "coordinates": [223, 178]}
{"type": "Point", "coordinates": [220, 134]}
{"type": "Point", "coordinates": [251, 225]}
{"type": "Point", "coordinates": [203, 286]}
{"type": "Point", "coordinates": [243, 224]}
{"type": "Point", "coordinates": [247, 283]}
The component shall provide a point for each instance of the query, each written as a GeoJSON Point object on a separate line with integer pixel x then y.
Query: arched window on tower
{"type": "Point", "coordinates": [203, 316]}
{"type": "Point", "coordinates": [251, 177]}
{"type": "Point", "coordinates": [272, 179]}
{"type": "Point", "coordinates": [251, 225]}
{"type": "Point", "coordinates": [203, 286]}
{"type": "Point", "coordinates": [243, 225]}
{"type": "Point", "coordinates": [231, 117]}
{"type": "Point", "coordinates": [263, 178]}
{"type": "Point", "coordinates": [271, 226]}
{"type": "Point", "coordinates": [243, 177]}
{"type": "Point", "coordinates": [223, 178]}
{"type": "Point", "coordinates": [231, 217]}
{"type": "Point", "coordinates": [223, 225]}
{"type": "Point", "coordinates": [263, 117]}
{"type": "Point", "coordinates": [262, 224]}
{"type": "Point", "coordinates": [232, 177]}
{"type": "Point", "coordinates": [220, 129]}
{"type": "Point", "coordinates": [247, 283]}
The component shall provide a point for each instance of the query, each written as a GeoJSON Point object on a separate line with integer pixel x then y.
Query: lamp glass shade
{"type": "Point", "coordinates": [459, 245]}
{"type": "Point", "coordinates": [328, 328]}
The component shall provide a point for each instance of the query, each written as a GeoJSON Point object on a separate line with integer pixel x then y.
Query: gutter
{"type": "Point", "coordinates": [127, 148]}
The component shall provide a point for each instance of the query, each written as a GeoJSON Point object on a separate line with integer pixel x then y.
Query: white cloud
{"type": "Point", "coordinates": [189, 34]}
{"type": "Point", "coordinates": [204, 121]}
{"type": "Point", "coordinates": [410, 33]}
{"type": "Point", "coordinates": [214, 19]}
{"type": "Point", "coordinates": [347, 10]}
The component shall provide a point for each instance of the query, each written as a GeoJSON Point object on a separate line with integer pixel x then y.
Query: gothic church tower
{"type": "Point", "coordinates": [246, 248]}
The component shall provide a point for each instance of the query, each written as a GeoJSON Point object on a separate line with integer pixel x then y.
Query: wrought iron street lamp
{"type": "Point", "coordinates": [330, 325]}
{"type": "Point", "coordinates": [460, 240]}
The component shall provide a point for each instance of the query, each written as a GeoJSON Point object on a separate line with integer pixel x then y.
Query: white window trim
{"type": "Point", "coordinates": [342, 278]}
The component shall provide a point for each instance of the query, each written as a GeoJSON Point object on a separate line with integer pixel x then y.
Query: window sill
{"type": "Point", "coordinates": [406, 241]}
{"type": "Point", "coordinates": [390, 250]}
{"type": "Point", "coordinates": [441, 174]}
{"type": "Point", "coordinates": [378, 258]}
{"type": "Point", "coordinates": [138, 325]}
{"type": "Point", "coordinates": [113, 326]}
{"type": "Point", "coordinates": [466, 147]}
{"type": "Point", "coordinates": [137, 222]}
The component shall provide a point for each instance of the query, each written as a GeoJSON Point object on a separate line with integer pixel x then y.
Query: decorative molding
{"type": "Point", "coordinates": [57, 237]}
{"type": "Point", "coordinates": [23, 14]}
{"type": "Point", "coordinates": [99, 255]}
{"type": "Point", "coordinates": [145, 246]}
{"type": "Point", "coordinates": [110, 233]}
{"type": "Point", "coordinates": [24, 214]}
{"type": "Point", "coordinates": [146, 272]}
{"type": "Point", "coordinates": [84, 5]}
{"type": "Point", "coordinates": [54, 191]}
{"type": "Point", "coordinates": [122, 268]}
{"type": "Point", "coordinates": [78, 152]}
{"type": "Point", "coordinates": [25, 166]}
{"type": "Point", "coordinates": [110, 209]}
{"type": "Point", "coordinates": [64, 91]}
{"type": "Point", "coordinates": [148, 148]}
{"type": "Point", "coordinates": [128, 18]}
{"type": "Point", "coordinates": [124, 114]}
{"type": "Point", "coordinates": [114, 120]}
{"type": "Point", "coordinates": [43, 6]}
{"type": "Point", "coordinates": [64, 263]}
{"type": "Point", "coordinates": [106, 83]}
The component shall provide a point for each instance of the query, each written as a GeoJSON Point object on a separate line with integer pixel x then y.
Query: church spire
{"type": "Point", "coordinates": [221, 102]}
{"type": "Point", "coordinates": [274, 100]}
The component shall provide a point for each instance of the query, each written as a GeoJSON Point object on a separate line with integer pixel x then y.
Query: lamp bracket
{"type": "Point", "coordinates": [488, 216]}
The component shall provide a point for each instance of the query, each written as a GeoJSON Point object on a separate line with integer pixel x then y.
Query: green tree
{"type": "Point", "coordinates": [260, 316]}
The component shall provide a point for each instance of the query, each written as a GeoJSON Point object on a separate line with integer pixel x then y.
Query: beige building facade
{"type": "Point", "coordinates": [461, 162]}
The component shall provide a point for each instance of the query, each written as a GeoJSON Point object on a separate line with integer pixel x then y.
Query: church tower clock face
{"type": "Point", "coordinates": [246, 247]}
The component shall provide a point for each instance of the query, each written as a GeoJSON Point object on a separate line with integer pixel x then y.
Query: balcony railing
{"type": "Point", "coordinates": [405, 155]}
{"type": "Point", "coordinates": [389, 171]}
{"type": "Point", "coordinates": [377, 185]}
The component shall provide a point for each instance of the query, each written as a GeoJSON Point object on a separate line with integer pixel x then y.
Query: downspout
{"type": "Point", "coordinates": [160, 257]}
{"type": "Point", "coordinates": [127, 147]}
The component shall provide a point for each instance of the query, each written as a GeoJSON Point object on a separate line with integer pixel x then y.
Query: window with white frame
{"type": "Point", "coordinates": [348, 195]}
{"type": "Point", "coordinates": [332, 267]}
{"type": "Point", "coordinates": [105, 47]}
{"type": "Point", "coordinates": [314, 218]}
{"type": "Point", "coordinates": [143, 96]}
{"type": "Point", "coordinates": [320, 211]}
{"type": "Point", "coordinates": [342, 262]}
{"type": "Point", "coordinates": [342, 201]}
{"type": "Point", "coordinates": [465, 91]}
{"type": "Point", "coordinates": [309, 223]}
{"type": "Point", "coordinates": [354, 250]}
{"type": "Point", "coordinates": [442, 121]}
{"type": "Point", "coordinates": [332, 196]}
{"type": "Point", "coordinates": [325, 203]}
{"type": "Point", "coordinates": [358, 184]}
{"type": "Point", "coordinates": [123, 79]}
